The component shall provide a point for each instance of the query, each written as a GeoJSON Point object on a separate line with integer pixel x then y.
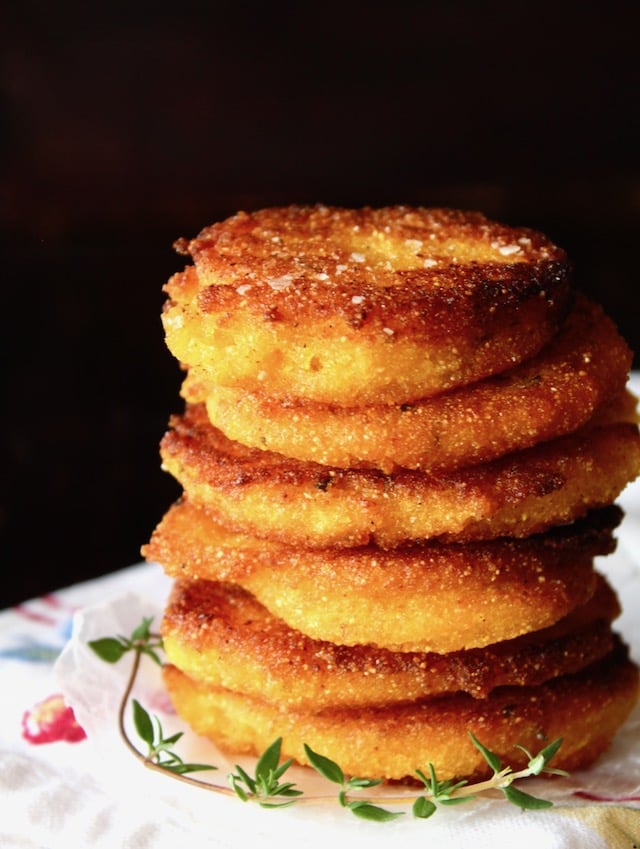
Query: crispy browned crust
{"type": "Point", "coordinates": [267, 495]}
{"type": "Point", "coordinates": [424, 259]}
{"type": "Point", "coordinates": [400, 570]}
{"type": "Point", "coordinates": [405, 598]}
{"type": "Point", "coordinates": [584, 367]}
{"type": "Point", "coordinates": [220, 635]}
{"type": "Point", "coordinates": [363, 306]}
{"type": "Point", "coordinates": [309, 241]}
{"type": "Point", "coordinates": [585, 709]}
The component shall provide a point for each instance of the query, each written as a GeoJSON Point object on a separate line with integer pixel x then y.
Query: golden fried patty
{"type": "Point", "coordinates": [219, 635]}
{"type": "Point", "coordinates": [267, 495]}
{"type": "Point", "coordinates": [585, 709]}
{"type": "Point", "coordinates": [404, 598]}
{"type": "Point", "coordinates": [582, 368]}
{"type": "Point", "coordinates": [363, 306]}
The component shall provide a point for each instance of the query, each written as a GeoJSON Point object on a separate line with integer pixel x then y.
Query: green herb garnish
{"type": "Point", "coordinates": [265, 786]}
{"type": "Point", "coordinates": [364, 809]}
{"type": "Point", "coordinates": [160, 748]}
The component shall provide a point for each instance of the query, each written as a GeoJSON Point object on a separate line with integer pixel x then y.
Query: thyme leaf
{"type": "Point", "coordinates": [490, 757]}
{"type": "Point", "coordinates": [524, 800]}
{"type": "Point", "coordinates": [108, 649]}
{"type": "Point", "coordinates": [423, 808]}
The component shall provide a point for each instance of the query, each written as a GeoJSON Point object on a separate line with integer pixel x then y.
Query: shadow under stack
{"type": "Point", "coordinates": [404, 433]}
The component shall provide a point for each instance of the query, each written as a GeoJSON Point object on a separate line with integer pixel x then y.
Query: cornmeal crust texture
{"type": "Point", "coordinates": [403, 435]}
{"type": "Point", "coordinates": [421, 597]}
{"type": "Point", "coordinates": [576, 374]}
{"type": "Point", "coordinates": [268, 495]}
{"type": "Point", "coordinates": [392, 741]}
{"type": "Point", "coordinates": [363, 306]}
{"type": "Point", "coordinates": [220, 635]}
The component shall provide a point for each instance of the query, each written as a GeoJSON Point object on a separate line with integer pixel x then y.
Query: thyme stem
{"type": "Point", "coordinates": [135, 666]}
{"type": "Point", "coordinates": [146, 760]}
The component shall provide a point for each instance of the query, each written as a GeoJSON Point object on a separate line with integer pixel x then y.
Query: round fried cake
{"type": "Point", "coordinates": [585, 709]}
{"type": "Point", "coordinates": [404, 598]}
{"type": "Point", "coordinates": [267, 495]}
{"type": "Point", "coordinates": [363, 306]}
{"type": "Point", "coordinates": [219, 635]}
{"type": "Point", "coordinates": [556, 392]}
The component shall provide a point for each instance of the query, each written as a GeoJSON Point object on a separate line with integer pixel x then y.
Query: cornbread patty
{"type": "Point", "coordinates": [363, 306]}
{"type": "Point", "coordinates": [581, 369]}
{"type": "Point", "coordinates": [585, 709]}
{"type": "Point", "coordinates": [405, 598]}
{"type": "Point", "coordinates": [268, 495]}
{"type": "Point", "coordinates": [220, 635]}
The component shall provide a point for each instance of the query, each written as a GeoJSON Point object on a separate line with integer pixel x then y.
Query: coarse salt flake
{"type": "Point", "coordinates": [388, 331]}
{"type": "Point", "coordinates": [357, 257]}
{"type": "Point", "coordinates": [281, 283]}
{"type": "Point", "coordinates": [430, 263]}
{"type": "Point", "coordinates": [175, 322]}
{"type": "Point", "coordinates": [357, 299]}
{"type": "Point", "coordinates": [507, 250]}
{"type": "Point", "coordinates": [242, 290]}
{"type": "Point", "coordinates": [413, 244]}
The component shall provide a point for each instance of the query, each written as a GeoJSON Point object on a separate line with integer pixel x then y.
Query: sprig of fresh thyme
{"type": "Point", "coordinates": [363, 808]}
{"type": "Point", "coordinates": [453, 793]}
{"type": "Point", "coordinates": [265, 786]}
{"type": "Point", "coordinates": [159, 752]}
{"type": "Point", "coordinates": [141, 641]}
{"type": "Point", "coordinates": [160, 748]}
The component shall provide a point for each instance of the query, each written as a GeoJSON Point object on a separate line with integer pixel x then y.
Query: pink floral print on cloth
{"type": "Point", "coordinates": [50, 721]}
{"type": "Point", "coordinates": [42, 627]}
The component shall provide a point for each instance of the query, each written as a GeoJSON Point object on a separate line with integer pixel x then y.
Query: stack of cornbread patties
{"type": "Point", "coordinates": [403, 438]}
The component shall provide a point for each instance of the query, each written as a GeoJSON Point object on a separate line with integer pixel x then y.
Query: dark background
{"type": "Point", "coordinates": [127, 125]}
